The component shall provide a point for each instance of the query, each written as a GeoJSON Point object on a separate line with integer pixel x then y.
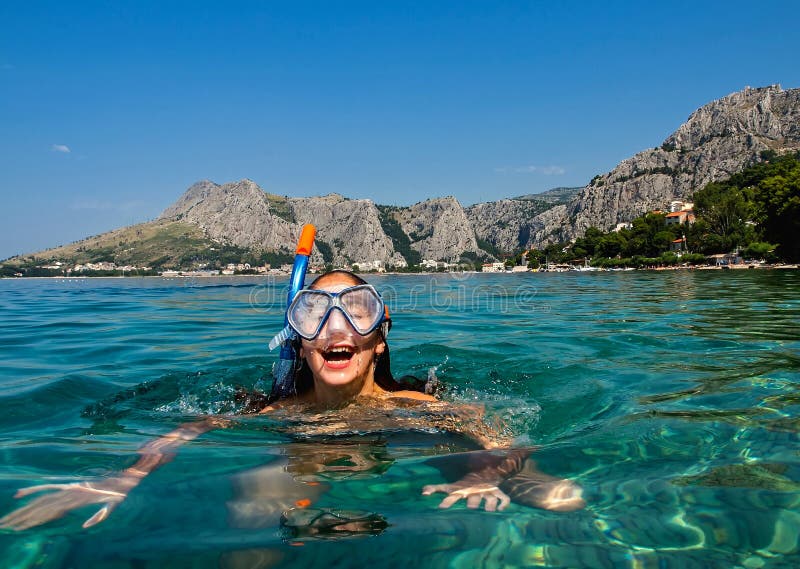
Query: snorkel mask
{"type": "Point", "coordinates": [354, 312]}
{"type": "Point", "coordinates": [358, 308]}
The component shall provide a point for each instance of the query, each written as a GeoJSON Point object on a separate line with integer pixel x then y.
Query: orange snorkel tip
{"type": "Point", "coordinates": [306, 242]}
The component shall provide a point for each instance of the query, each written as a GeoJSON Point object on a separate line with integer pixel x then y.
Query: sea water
{"type": "Point", "coordinates": [672, 398]}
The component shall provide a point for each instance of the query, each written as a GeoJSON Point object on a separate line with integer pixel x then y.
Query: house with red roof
{"type": "Point", "coordinates": [680, 217]}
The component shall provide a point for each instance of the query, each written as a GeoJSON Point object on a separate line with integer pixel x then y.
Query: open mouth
{"type": "Point", "coordinates": [338, 355]}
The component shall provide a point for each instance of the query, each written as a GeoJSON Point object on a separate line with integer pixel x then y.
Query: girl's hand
{"type": "Point", "coordinates": [110, 492]}
{"type": "Point", "coordinates": [494, 499]}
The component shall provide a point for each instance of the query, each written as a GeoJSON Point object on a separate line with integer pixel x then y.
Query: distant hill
{"type": "Point", "coordinates": [153, 243]}
{"type": "Point", "coordinates": [212, 224]}
{"type": "Point", "coordinates": [554, 196]}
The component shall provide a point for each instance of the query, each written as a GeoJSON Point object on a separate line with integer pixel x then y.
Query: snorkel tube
{"type": "Point", "coordinates": [284, 368]}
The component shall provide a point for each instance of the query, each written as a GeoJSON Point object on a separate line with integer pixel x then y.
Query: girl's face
{"type": "Point", "coordinates": [340, 359]}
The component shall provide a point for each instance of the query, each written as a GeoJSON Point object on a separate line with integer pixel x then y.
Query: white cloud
{"type": "Point", "coordinates": [546, 170]}
{"type": "Point", "coordinates": [552, 170]}
{"type": "Point", "coordinates": [60, 148]}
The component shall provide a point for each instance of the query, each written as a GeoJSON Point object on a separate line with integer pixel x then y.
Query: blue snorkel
{"type": "Point", "coordinates": [284, 369]}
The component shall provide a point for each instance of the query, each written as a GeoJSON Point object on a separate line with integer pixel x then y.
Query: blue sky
{"type": "Point", "coordinates": [110, 110]}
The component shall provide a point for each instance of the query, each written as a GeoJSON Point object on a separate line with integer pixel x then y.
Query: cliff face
{"type": "Point", "coordinates": [351, 228]}
{"type": "Point", "coordinates": [509, 225]}
{"type": "Point", "coordinates": [239, 213]}
{"type": "Point", "coordinates": [716, 141]}
{"type": "Point", "coordinates": [438, 229]}
{"type": "Point", "coordinates": [242, 214]}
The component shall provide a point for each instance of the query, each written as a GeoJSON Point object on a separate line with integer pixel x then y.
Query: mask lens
{"type": "Point", "coordinates": [364, 307]}
{"type": "Point", "coordinates": [308, 311]}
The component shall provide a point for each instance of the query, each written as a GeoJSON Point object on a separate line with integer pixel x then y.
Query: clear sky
{"type": "Point", "coordinates": [110, 110]}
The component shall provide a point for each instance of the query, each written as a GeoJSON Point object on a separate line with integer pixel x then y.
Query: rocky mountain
{"type": "Point", "coordinates": [716, 141]}
{"type": "Point", "coordinates": [438, 229]}
{"type": "Point", "coordinates": [350, 229]}
{"type": "Point", "coordinates": [508, 225]}
{"type": "Point", "coordinates": [240, 213]}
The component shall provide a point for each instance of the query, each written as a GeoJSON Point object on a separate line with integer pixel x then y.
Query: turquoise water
{"type": "Point", "coordinates": [673, 398]}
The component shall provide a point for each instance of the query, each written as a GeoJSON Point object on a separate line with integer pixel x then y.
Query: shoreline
{"type": "Point", "coordinates": [761, 267]}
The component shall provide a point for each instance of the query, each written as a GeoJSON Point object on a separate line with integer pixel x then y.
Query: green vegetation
{"type": "Point", "coordinates": [761, 204]}
{"type": "Point", "coordinates": [156, 244]}
{"type": "Point", "coordinates": [220, 256]}
{"type": "Point", "coordinates": [666, 170]}
{"type": "Point", "coordinates": [646, 243]}
{"type": "Point", "coordinates": [471, 260]}
{"type": "Point", "coordinates": [533, 205]}
{"type": "Point", "coordinates": [325, 250]}
{"type": "Point", "coordinates": [400, 241]}
{"type": "Point", "coordinates": [279, 205]}
{"type": "Point", "coordinates": [484, 245]}
{"type": "Point", "coordinates": [421, 236]}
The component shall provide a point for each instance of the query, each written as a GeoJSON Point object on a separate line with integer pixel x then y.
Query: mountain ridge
{"type": "Point", "coordinates": [717, 140]}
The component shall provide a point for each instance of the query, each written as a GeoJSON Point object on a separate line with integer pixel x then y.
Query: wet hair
{"type": "Point", "coordinates": [304, 379]}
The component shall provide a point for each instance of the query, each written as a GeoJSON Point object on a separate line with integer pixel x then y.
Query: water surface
{"type": "Point", "coordinates": [671, 397]}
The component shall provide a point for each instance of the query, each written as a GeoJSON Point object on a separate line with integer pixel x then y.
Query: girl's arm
{"type": "Point", "coordinates": [500, 474]}
{"type": "Point", "coordinates": [109, 492]}
{"type": "Point", "coordinates": [486, 471]}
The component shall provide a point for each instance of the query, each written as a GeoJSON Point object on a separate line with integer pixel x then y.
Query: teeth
{"type": "Point", "coordinates": [339, 349]}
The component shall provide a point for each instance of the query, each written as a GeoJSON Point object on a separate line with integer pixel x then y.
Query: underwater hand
{"type": "Point", "coordinates": [110, 492]}
{"type": "Point", "coordinates": [492, 496]}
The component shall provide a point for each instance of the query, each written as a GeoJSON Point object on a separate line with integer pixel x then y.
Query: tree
{"type": "Point", "coordinates": [760, 250]}
{"type": "Point", "coordinates": [777, 204]}
{"type": "Point", "coordinates": [725, 209]}
{"type": "Point", "coordinates": [662, 240]}
{"type": "Point", "coordinates": [611, 245]}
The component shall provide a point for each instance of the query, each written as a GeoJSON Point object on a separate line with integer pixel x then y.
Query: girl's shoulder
{"type": "Point", "coordinates": [407, 394]}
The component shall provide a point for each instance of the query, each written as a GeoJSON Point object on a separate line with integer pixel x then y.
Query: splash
{"type": "Point", "coordinates": [514, 417]}
{"type": "Point", "coordinates": [199, 393]}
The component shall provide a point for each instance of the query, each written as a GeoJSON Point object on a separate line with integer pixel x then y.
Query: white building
{"type": "Point", "coordinates": [680, 205]}
{"type": "Point", "coordinates": [429, 264]}
{"type": "Point", "coordinates": [101, 266]}
{"type": "Point", "coordinates": [494, 267]}
{"type": "Point", "coordinates": [371, 266]}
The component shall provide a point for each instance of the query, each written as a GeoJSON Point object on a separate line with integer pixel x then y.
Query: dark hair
{"type": "Point", "coordinates": [304, 379]}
